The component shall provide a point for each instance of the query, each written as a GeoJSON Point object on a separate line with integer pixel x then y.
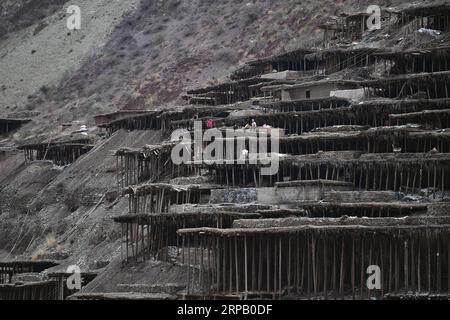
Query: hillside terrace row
{"type": "Point", "coordinates": [346, 29]}
{"type": "Point", "coordinates": [309, 260]}
{"type": "Point", "coordinates": [431, 114]}
{"type": "Point", "coordinates": [154, 162]}
{"type": "Point", "coordinates": [350, 27]}
{"type": "Point", "coordinates": [60, 151]}
{"type": "Point", "coordinates": [323, 62]}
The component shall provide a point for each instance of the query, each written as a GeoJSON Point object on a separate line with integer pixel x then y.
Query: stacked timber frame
{"type": "Point", "coordinates": [435, 16]}
{"type": "Point", "coordinates": [293, 60]}
{"type": "Point", "coordinates": [36, 290]}
{"type": "Point", "coordinates": [60, 153]}
{"type": "Point", "coordinates": [62, 291]}
{"type": "Point", "coordinates": [347, 28]}
{"type": "Point", "coordinates": [10, 268]}
{"type": "Point", "coordinates": [143, 165]}
{"type": "Point", "coordinates": [362, 180]}
{"type": "Point", "coordinates": [39, 290]}
{"type": "Point", "coordinates": [168, 120]}
{"type": "Point", "coordinates": [384, 171]}
{"type": "Point", "coordinates": [51, 286]}
{"type": "Point", "coordinates": [227, 93]}
{"type": "Point", "coordinates": [429, 85]}
{"type": "Point", "coordinates": [434, 59]}
{"type": "Point", "coordinates": [316, 259]}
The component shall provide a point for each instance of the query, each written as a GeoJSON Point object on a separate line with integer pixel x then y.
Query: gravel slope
{"type": "Point", "coordinates": [41, 54]}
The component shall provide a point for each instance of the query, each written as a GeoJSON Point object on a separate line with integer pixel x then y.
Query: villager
{"type": "Point", "coordinates": [254, 125]}
{"type": "Point", "coordinates": [396, 149]}
{"type": "Point", "coordinates": [210, 124]}
{"type": "Point", "coordinates": [244, 154]}
{"type": "Point", "coordinates": [434, 150]}
{"type": "Point", "coordinates": [267, 127]}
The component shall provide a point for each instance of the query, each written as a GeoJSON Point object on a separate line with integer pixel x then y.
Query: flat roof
{"type": "Point", "coordinates": [351, 83]}
{"type": "Point", "coordinates": [38, 264]}
{"type": "Point", "coordinates": [15, 120]}
{"type": "Point", "coordinates": [342, 221]}
{"type": "Point", "coordinates": [371, 229]}
{"type": "Point", "coordinates": [146, 188]}
{"type": "Point", "coordinates": [419, 51]}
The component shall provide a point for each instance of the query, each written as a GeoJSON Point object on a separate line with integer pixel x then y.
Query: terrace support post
{"type": "Point", "coordinates": [362, 271]}
{"type": "Point", "coordinates": [325, 270]}
{"type": "Point", "coordinates": [127, 241]}
{"type": "Point", "coordinates": [188, 264]}
{"type": "Point", "coordinates": [380, 180]}
{"type": "Point", "coordinates": [253, 255]}
{"type": "Point", "coordinates": [245, 268]}
{"type": "Point", "coordinates": [395, 177]}
{"type": "Point", "coordinates": [275, 286]}
{"type": "Point", "coordinates": [434, 180]}
{"type": "Point", "coordinates": [353, 268]}
{"type": "Point", "coordinates": [360, 179]}
{"type": "Point", "coordinates": [382, 261]}
{"type": "Point", "coordinates": [217, 255]}
{"type": "Point", "coordinates": [401, 179]}
{"type": "Point", "coordinates": [314, 268]}
{"type": "Point", "coordinates": [308, 271]}
{"type": "Point", "coordinates": [201, 271]}
{"type": "Point", "coordinates": [341, 277]}
{"type": "Point", "coordinates": [268, 265]}
{"type": "Point", "coordinates": [396, 267]}
{"type": "Point", "coordinates": [143, 240]}
{"type": "Point", "coordinates": [224, 263]}
{"type": "Point", "coordinates": [407, 179]}
{"type": "Point", "coordinates": [413, 271]}
{"type": "Point", "coordinates": [429, 263]}
{"type": "Point", "coordinates": [418, 267]}
{"type": "Point", "coordinates": [289, 266]}
{"type": "Point", "coordinates": [280, 266]}
{"type": "Point", "coordinates": [230, 269]}
{"type": "Point", "coordinates": [137, 240]}
{"type": "Point", "coordinates": [260, 266]}
{"type": "Point", "coordinates": [149, 243]}
{"type": "Point", "coordinates": [443, 182]}
{"type": "Point", "coordinates": [420, 175]}
{"type": "Point", "coordinates": [405, 266]}
{"type": "Point", "coordinates": [438, 265]}
{"type": "Point", "coordinates": [195, 247]}
{"type": "Point", "coordinates": [121, 243]}
{"type": "Point", "coordinates": [448, 264]}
